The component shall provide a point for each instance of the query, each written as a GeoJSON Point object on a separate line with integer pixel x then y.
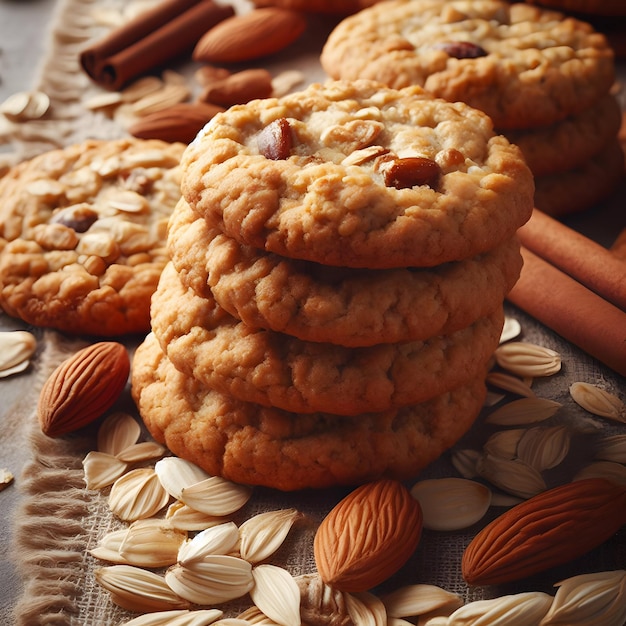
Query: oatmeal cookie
{"type": "Point", "coordinates": [83, 234]}
{"type": "Point", "coordinates": [523, 65]}
{"type": "Point", "coordinates": [571, 143]}
{"type": "Point", "coordinates": [274, 369]}
{"type": "Point", "coordinates": [583, 187]}
{"type": "Point", "coordinates": [344, 306]}
{"type": "Point", "coordinates": [259, 445]}
{"type": "Point", "coordinates": [356, 174]}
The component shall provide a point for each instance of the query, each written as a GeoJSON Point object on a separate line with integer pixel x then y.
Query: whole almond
{"type": "Point", "coordinates": [367, 536]}
{"type": "Point", "coordinates": [250, 36]}
{"type": "Point", "coordinates": [239, 88]}
{"type": "Point", "coordinates": [179, 122]}
{"type": "Point", "coordinates": [547, 530]}
{"type": "Point", "coordinates": [83, 387]}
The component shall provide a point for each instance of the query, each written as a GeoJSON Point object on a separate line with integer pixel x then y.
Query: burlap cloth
{"type": "Point", "coordinates": [59, 520]}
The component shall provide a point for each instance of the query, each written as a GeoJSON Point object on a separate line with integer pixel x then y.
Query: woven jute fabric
{"type": "Point", "coordinates": [59, 520]}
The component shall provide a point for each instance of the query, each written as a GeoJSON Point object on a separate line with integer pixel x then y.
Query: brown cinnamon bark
{"type": "Point", "coordinates": [152, 39]}
{"type": "Point", "coordinates": [585, 260]}
{"type": "Point", "coordinates": [571, 310]}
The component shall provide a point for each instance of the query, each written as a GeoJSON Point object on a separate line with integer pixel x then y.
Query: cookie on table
{"type": "Point", "coordinates": [357, 174]}
{"type": "Point", "coordinates": [344, 306]}
{"type": "Point", "coordinates": [523, 65]}
{"type": "Point", "coordinates": [258, 445]}
{"type": "Point", "coordinates": [576, 190]}
{"type": "Point", "coordinates": [275, 369]}
{"type": "Point", "coordinates": [83, 234]}
{"type": "Point", "coordinates": [571, 143]}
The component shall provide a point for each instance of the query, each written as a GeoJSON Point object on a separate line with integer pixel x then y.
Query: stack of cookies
{"type": "Point", "coordinates": [338, 266]}
{"type": "Point", "coordinates": [545, 80]}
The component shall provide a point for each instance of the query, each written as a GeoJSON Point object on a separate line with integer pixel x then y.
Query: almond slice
{"type": "Point", "coordinates": [598, 598]}
{"type": "Point", "coordinates": [529, 608]}
{"type": "Point", "coordinates": [214, 580]}
{"type": "Point", "coordinates": [523, 411]}
{"type": "Point", "coordinates": [262, 534]}
{"type": "Point", "coordinates": [419, 599]}
{"type": "Point", "coordinates": [137, 589]}
{"type": "Point", "coordinates": [598, 401]}
{"type": "Point", "coordinates": [527, 359]}
{"type": "Point", "coordinates": [220, 539]}
{"type": "Point", "coordinates": [451, 503]}
{"type": "Point", "coordinates": [137, 495]}
{"type": "Point", "coordinates": [276, 594]}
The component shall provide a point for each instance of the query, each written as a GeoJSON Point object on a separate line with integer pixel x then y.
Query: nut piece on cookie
{"type": "Point", "coordinates": [356, 174]}
{"type": "Point", "coordinates": [83, 234]}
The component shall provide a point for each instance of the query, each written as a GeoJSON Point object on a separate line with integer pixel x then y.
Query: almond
{"type": "Point", "coordinates": [83, 387]}
{"type": "Point", "coordinates": [367, 536]}
{"type": "Point", "coordinates": [547, 530]}
{"type": "Point", "coordinates": [250, 36]}
{"type": "Point", "coordinates": [239, 88]}
{"type": "Point", "coordinates": [179, 122]}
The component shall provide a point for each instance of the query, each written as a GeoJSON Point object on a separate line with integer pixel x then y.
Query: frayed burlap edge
{"type": "Point", "coordinates": [49, 540]}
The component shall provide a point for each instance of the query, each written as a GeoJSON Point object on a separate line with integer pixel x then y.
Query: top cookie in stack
{"type": "Point", "coordinates": [542, 77]}
{"type": "Point", "coordinates": [339, 263]}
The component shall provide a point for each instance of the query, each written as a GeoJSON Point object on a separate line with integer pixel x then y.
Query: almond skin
{"type": "Point", "coordinates": [250, 36]}
{"type": "Point", "coordinates": [367, 536]}
{"type": "Point", "coordinates": [239, 88]}
{"type": "Point", "coordinates": [547, 530]}
{"type": "Point", "coordinates": [180, 122]}
{"type": "Point", "coordinates": [82, 388]}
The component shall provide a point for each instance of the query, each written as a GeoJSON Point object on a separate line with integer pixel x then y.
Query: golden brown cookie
{"type": "Point", "coordinates": [83, 233]}
{"type": "Point", "coordinates": [274, 369]}
{"type": "Point", "coordinates": [523, 65]}
{"type": "Point", "coordinates": [259, 445]}
{"type": "Point", "coordinates": [344, 306]}
{"type": "Point", "coordinates": [355, 174]}
{"type": "Point", "coordinates": [571, 143]}
{"type": "Point", "coordinates": [583, 187]}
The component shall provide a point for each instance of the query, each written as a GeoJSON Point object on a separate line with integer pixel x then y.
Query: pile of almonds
{"type": "Point", "coordinates": [181, 550]}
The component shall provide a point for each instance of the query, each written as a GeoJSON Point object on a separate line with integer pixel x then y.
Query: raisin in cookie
{"type": "Point", "coordinates": [83, 233]}
{"type": "Point", "coordinates": [258, 445]}
{"type": "Point", "coordinates": [523, 65]}
{"type": "Point", "coordinates": [275, 369]}
{"type": "Point", "coordinates": [344, 306]}
{"type": "Point", "coordinates": [356, 174]}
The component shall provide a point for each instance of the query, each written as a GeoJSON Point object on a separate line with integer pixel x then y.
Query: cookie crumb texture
{"type": "Point", "coordinates": [530, 66]}
{"type": "Point", "coordinates": [339, 262]}
{"type": "Point", "coordinates": [359, 175]}
{"type": "Point", "coordinates": [253, 444]}
{"type": "Point", "coordinates": [83, 234]}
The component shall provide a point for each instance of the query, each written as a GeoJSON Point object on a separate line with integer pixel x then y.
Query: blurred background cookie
{"type": "Point", "coordinates": [83, 233]}
{"type": "Point", "coordinates": [545, 78]}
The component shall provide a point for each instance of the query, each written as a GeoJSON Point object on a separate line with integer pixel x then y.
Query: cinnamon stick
{"type": "Point", "coordinates": [153, 38]}
{"type": "Point", "coordinates": [573, 311]}
{"type": "Point", "coordinates": [582, 258]}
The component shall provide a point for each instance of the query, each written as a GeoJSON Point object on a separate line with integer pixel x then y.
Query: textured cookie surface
{"type": "Point", "coordinates": [345, 306]}
{"type": "Point", "coordinates": [569, 144]}
{"type": "Point", "coordinates": [355, 174]}
{"type": "Point", "coordinates": [275, 369]}
{"type": "Point", "coordinates": [583, 187]}
{"type": "Point", "coordinates": [523, 65]}
{"type": "Point", "coordinates": [83, 234]}
{"type": "Point", "coordinates": [258, 445]}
